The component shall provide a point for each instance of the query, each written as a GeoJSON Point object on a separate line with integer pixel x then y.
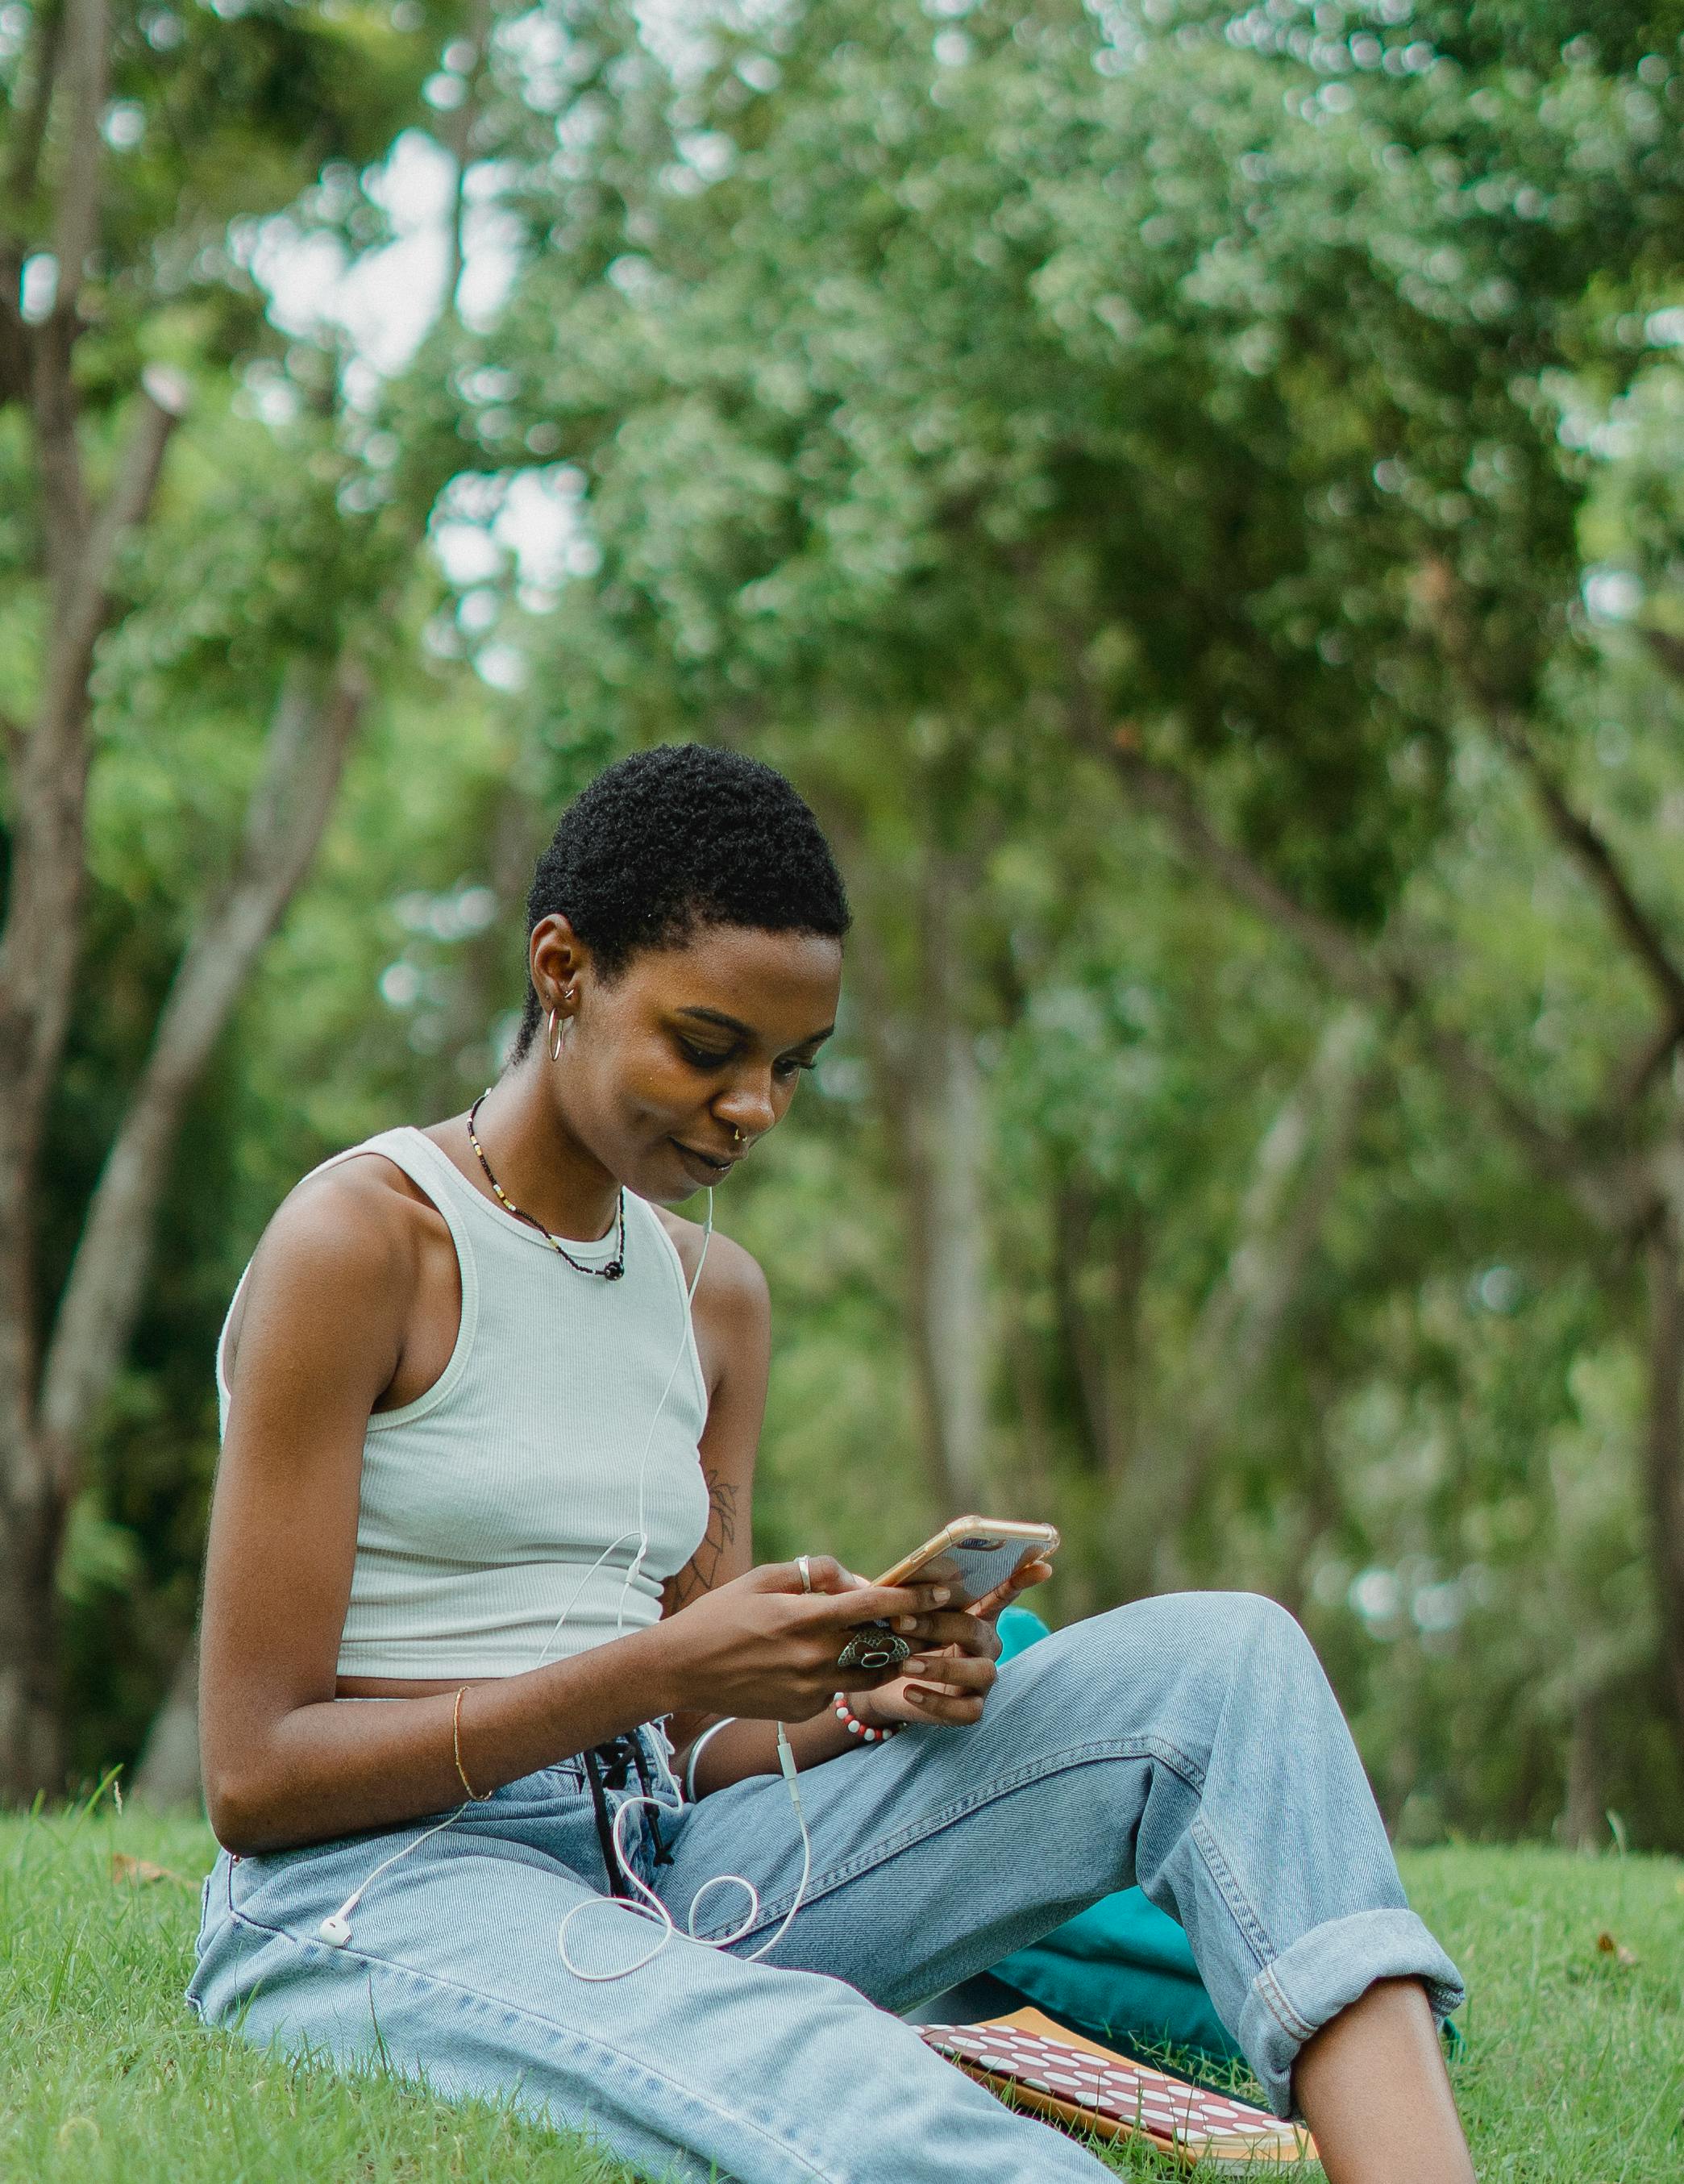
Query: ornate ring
{"type": "Point", "coordinates": [874, 1646]}
{"type": "Point", "coordinates": [803, 1564]}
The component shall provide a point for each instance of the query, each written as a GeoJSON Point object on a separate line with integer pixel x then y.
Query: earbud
{"type": "Point", "coordinates": [336, 1928]}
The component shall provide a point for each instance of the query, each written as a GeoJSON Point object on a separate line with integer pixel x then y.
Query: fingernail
{"type": "Point", "coordinates": [905, 1622]}
{"type": "Point", "coordinates": [942, 1592]}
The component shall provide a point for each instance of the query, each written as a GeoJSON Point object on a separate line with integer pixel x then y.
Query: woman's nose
{"type": "Point", "coordinates": [748, 1107]}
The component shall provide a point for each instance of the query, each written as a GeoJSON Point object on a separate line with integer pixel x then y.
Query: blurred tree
{"type": "Point", "coordinates": [1099, 452]}
{"type": "Point", "coordinates": [135, 143]}
{"type": "Point", "coordinates": [1023, 394]}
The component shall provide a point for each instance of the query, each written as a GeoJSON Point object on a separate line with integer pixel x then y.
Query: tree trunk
{"type": "Point", "coordinates": [308, 742]}
{"type": "Point", "coordinates": [1098, 1281]}
{"type": "Point", "coordinates": [1031, 1480]}
{"type": "Point", "coordinates": [43, 1427]}
{"type": "Point", "coordinates": [465, 1060]}
{"type": "Point", "coordinates": [1584, 1820]}
{"type": "Point", "coordinates": [309, 737]}
{"type": "Point", "coordinates": [1630, 1192]}
{"type": "Point", "coordinates": [949, 1301]}
{"type": "Point", "coordinates": [929, 1095]}
{"type": "Point", "coordinates": [1664, 1448]}
{"type": "Point", "coordinates": [1300, 1162]}
{"type": "Point", "coordinates": [1318, 1506]}
{"type": "Point", "coordinates": [39, 940]}
{"type": "Point", "coordinates": [167, 1772]}
{"type": "Point", "coordinates": [31, 1522]}
{"type": "Point", "coordinates": [946, 1257]}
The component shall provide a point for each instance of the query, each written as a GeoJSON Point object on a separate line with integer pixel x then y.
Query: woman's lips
{"type": "Point", "coordinates": [705, 1164]}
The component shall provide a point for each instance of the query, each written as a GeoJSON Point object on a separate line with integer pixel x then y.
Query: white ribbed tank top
{"type": "Point", "coordinates": [485, 1502]}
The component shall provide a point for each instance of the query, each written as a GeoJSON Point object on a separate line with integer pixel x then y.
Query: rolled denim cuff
{"type": "Point", "coordinates": [1323, 1972]}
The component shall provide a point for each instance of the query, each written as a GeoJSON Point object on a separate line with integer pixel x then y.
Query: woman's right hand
{"type": "Point", "coordinates": [763, 1649]}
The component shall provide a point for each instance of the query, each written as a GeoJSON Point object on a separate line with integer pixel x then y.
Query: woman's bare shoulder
{"type": "Point", "coordinates": [732, 1278]}
{"type": "Point", "coordinates": [732, 1308]}
{"type": "Point", "coordinates": [350, 1234]}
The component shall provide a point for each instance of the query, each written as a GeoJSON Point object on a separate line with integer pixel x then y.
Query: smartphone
{"type": "Point", "coordinates": [973, 1555]}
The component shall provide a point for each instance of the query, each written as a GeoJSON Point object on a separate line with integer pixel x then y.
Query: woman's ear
{"type": "Point", "coordinates": [555, 956]}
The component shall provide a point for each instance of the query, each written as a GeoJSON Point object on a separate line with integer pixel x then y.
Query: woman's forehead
{"type": "Point", "coordinates": [778, 987]}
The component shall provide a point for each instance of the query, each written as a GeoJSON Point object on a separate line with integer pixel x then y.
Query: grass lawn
{"type": "Point", "coordinates": [1573, 2072]}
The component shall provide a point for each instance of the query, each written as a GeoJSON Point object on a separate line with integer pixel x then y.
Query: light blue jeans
{"type": "Point", "coordinates": [1190, 1743]}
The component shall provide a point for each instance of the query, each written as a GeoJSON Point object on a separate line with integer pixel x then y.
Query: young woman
{"type": "Point", "coordinates": [489, 1429]}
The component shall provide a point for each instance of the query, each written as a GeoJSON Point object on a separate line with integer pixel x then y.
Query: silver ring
{"type": "Point", "coordinates": [874, 1646]}
{"type": "Point", "coordinates": [802, 1563]}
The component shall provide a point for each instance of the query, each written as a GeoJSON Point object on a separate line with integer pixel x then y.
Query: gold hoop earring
{"type": "Point", "coordinates": [559, 1025]}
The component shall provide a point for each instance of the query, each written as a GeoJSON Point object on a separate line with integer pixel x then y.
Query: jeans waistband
{"type": "Point", "coordinates": [619, 1768]}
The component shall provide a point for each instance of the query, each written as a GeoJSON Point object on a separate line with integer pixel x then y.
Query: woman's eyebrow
{"type": "Point", "coordinates": [747, 1031]}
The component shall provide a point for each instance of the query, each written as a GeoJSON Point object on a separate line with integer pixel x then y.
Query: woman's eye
{"type": "Point", "coordinates": [707, 1057]}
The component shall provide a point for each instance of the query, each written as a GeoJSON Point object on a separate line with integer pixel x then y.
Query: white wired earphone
{"type": "Point", "coordinates": [336, 1928]}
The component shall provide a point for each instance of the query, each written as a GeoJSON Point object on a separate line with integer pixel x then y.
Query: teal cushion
{"type": "Point", "coordinates": [1122, 1969]}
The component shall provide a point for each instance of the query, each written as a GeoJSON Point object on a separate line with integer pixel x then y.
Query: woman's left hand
{"type": "Point", "coordinates": [949, 1679]}
{"type": "Point", "coordinates": [1021, 1577]}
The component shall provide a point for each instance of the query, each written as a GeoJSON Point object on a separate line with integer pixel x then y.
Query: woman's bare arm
{"type": "Point", "coordinates": [321, 1337]}
{"type": "Point", "coordinates": [326, 1312]}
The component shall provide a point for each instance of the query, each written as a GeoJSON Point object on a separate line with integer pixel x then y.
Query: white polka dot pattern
{"type": "Point", "coordinates": [1065, 2077]}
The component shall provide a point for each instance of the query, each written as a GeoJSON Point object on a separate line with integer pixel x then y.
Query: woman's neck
{"type": "Point", "coordinates": [541, 1165]}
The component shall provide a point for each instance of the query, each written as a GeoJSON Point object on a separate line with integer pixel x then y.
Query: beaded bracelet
{"type": "Point", "coordinates": [850, 1721]}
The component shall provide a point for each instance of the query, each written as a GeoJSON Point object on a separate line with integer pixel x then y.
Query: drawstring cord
{"type": "Point", "coordinates": [662, 1855]}
{"type": "Point", "coordinates": [608, 1767]}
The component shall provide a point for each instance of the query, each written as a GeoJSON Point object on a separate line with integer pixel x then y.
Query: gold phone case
{"type": "Point", "coordinates": [1044, 1537]}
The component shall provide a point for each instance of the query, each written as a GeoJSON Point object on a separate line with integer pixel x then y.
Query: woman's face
{"type": "Point", "coordinates": [688, 1043]}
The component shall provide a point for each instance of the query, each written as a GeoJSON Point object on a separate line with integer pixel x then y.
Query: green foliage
{"type": "Point", "coordinates": [278, 540]}
{"type": "Point", "coordinates": [957, 359]}
{"type": "Point", "coordinates": [953, 393]}
{"type": "Point", "coordinates": [932, 397]}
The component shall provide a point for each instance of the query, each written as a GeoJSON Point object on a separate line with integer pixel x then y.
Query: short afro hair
{"type": "Point", "coordinates": [669, 841]}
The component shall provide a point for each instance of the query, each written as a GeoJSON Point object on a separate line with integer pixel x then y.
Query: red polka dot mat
{"type": "Point", "coordinates": [1071, 2081]}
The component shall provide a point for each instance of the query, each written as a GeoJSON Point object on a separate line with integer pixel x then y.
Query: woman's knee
{"type": "Point", "coordinates": [1168, 1648]}
{"type": "Point", "coordinates": [1234, 1629]}
{"type": "Point", "coordinates": [1254, 1620]}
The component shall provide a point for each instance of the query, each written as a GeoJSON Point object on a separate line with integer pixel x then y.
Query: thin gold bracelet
{"type": "Point", "coordinates": [478, 1796]}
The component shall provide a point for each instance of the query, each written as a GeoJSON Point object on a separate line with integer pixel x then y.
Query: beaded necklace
{"type": "Point", "coordinates": [614, 1267]}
